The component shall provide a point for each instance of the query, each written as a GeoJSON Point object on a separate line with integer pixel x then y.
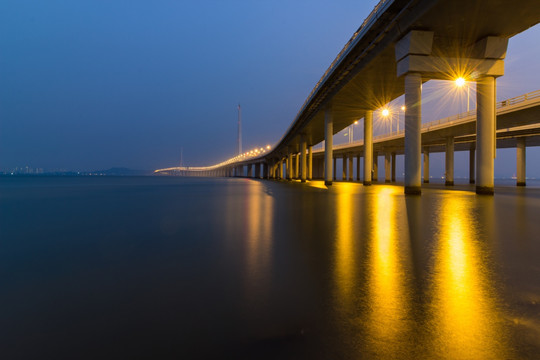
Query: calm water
{"type": "Point", "coordinates": [164, 268]}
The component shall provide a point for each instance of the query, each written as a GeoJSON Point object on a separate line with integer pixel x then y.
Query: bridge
{"type": "Point", "coordinates": [398, 47]}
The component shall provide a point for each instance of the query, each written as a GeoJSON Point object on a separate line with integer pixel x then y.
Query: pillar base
{"type": "Point", "coordinates": [449, 183]}
{"type": "Point", "coordinates": [426, 181]}
{"type": "Point", "coordinates": [471, 181]}
{"type": "Point", "coordinates": [303, 180]}
{"type": "Point", "coordinates": [519, 183]}
{"type": "Point", "coordinates": [484, 190]}
{"type": "Point", "coordinates": [367, 183]}
{"type": "Point", "coordinates": [327, 183]}
{"type": "Point", "coordinates": [387, 181]}
{"type": "Point", "coordinates": [413, 190]}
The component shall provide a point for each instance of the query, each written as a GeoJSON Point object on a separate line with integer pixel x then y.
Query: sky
{"type": "Point", "coordinates": [94, 84]}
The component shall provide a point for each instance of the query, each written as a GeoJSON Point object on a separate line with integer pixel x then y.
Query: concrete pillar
{"type": "Point", "coordinates": [485, 134]}
{"type": "Point", "coordinates": [310, 163]}
{"type": "Point", "coordinates": [350, 167]}
{"type": "Point", "coordinates": [296, 166]}
{"type": "Point", "coordinates": [303, 149]}
{"type": "Point", "coordinates": [387, 166]}
{"type": "Point", "coordinates": [328, 143]}
{"type": "Point", "coordinates": [335, 169]}
{"type": "Point", "coordinates": [393, 167]}
{"type": "Point", "coordinates": [426, 165]}
{"type": "Point", "coordinates": [375, 176]}
{"type": "Point", "coordinates": [290, 167]}
{"type": "Point", "coordinates": [449, 163]}
{"type": "Point", "coordinates": [368, 146]}
{"type": "Point", "coordinates": [471, 165]}
{"type": "Point", "coordinates": [358, 168]}
{"type": "Point", "coordinates": [250, 170]}
{"type": "Point", "coordinates": [413, 119]}
{"type": "Point", "coordinates": [344, 173]}
{"type": "Point", "coordinates": [520, 152]}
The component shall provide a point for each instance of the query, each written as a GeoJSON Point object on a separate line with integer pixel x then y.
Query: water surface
{"type": "Point", "coordinates": [211, 268]}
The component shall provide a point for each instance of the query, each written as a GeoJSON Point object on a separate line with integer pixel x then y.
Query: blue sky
{"type": "Point", "coordinates": [100, 83]}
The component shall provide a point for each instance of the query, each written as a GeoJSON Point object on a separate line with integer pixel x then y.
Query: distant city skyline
{"type": "Point", "coordinates": [101, 85]}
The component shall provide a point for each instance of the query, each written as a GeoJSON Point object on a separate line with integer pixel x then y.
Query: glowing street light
{"type": "Point", "coordinates": [460, 82]}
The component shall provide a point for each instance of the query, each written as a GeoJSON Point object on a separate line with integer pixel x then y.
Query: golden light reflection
{"type": "Point", "coordinates": [317, 184]}
{"type": "Point", "coordinates": [345, 253]}
{"type": "Point", "coordinates": [259, 219]}
{"type": "Point", "coordinates": [465, 320]}
{"type": "Point", "coordinates": [388, 266]}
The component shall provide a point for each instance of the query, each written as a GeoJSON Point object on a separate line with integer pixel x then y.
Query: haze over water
{"type": "Point", "coordinates": [165, 267]}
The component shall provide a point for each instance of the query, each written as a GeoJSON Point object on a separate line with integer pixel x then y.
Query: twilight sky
{"type": "Point", "coordinates": [94, 84]}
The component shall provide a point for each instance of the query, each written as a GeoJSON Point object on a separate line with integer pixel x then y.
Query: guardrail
{"type": "Point", "coordinates": [365, 24]}
{"type": "Point", "coordinates": [501, 104]}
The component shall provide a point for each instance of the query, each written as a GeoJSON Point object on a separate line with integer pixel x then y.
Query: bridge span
{"type": "Point", "coordinates": [398, 47]}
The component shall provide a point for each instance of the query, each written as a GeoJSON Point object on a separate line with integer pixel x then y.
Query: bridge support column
{"type": "Point", "coordinates": [368, 146]}
{"type": "Point", "coordinates": [290, 170]}
{"type": "Point", "coordinates": [387, 166]}
{"type": "Point", "coordinates": [394, 167]}
{"type": "Point", "coordinates": [449, 163]}
{"type": "Point", "coordinates": [328, 143]}
{"type": "Point", "coordinates": [310, 163]}
{"type": "Point", "coordinates": [335, 169]}
{"type": "Point", "coordinates": [350, 167]}
{"type": "Point", "coordinates": [413, 119]}
{"type": "Point", "coordinates": [358, 168]}
{"type": "Point", "coordinates": [250, 170]}
{"type": "Point", "coordinates": [375, 176]}
{"type": "Point", "coordinates": [520, 152]}
{"type": "Point", "coordinates": [485, 134]}
{"type": "Point", "coordinates": [344, 173]}
{"type": "Point", "coordinates": [303, 149]}
{"type": "Point", "coordinates": [426, 165]}
{"type": "Point", "coordinates": [296, 166]}
{"type": "Point", "coordinates": [471, 164]}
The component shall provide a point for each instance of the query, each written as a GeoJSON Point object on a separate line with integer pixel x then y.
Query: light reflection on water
{"type": "Point", "coordinates": [240, 268]}
{"type": "Point", "coordinates": [464, 316]}
{"type": "Point", "coordinates": [454, 313]}
{"type": "Point", "coordinates": [388, 276]}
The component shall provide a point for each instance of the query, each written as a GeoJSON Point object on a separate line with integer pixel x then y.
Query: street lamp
{"type": "Point", "coordinates": [385, 113]}
{"type": "Point", "coordinates": [460, 82]}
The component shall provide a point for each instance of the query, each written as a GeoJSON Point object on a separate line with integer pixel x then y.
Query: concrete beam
{"type": "Point", "coordinates": [443, 68]}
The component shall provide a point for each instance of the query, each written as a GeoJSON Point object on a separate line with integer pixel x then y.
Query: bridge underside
{"type": "Point", "coordinates": [366, 78]}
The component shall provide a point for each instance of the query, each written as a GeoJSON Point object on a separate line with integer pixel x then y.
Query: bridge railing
{"type": "Point", "coordinates": [365, 25]}
{"type": "Point", "coordinates": [501, 104]}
